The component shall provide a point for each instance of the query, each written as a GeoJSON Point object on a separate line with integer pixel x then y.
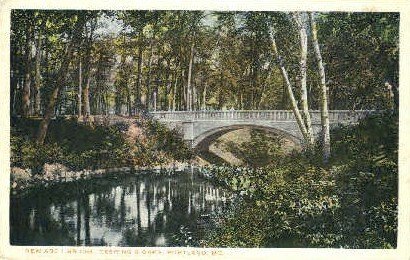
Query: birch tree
{"type": "Point", "coordinates": [285, 76]}
{"type": "Point", "coordinates": [301, 21]}
{"type": "Point", "coordinates": [324, 102]}
{"type": "Point", "coordinates": [189, 87]}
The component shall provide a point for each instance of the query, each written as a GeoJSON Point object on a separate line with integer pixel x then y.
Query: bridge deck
{"type": "Point", "coordinates": [271, 115]}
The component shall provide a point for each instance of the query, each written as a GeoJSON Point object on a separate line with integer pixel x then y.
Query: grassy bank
{"type": "Point", "coordinates": [296, 201]}
{"type": "Point", "coordinates": [78, 146]}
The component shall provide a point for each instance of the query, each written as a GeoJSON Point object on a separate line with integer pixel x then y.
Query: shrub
{"type": "Point", "coordinates": [296, 202]}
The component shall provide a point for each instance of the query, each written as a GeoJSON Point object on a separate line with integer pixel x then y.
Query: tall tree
{"type": "Point", "coordinates": [285, 76]}
{"type": "Point", "coordinates": [80, 21]}
{"type": "Point", "coordinates": [80, 90]}
{"type": "Point", "coordinates": [28, 64]}
{"type": "Point", "coordinates": [37, 93]}
{"type": "Point", "coordinates": [88, 67]}
{"type": "Point", "coordinates": [301, 21]}
{"type": "Point", "coordinates": [324, 93]}
{"type": "Point", "coordinates": [189, 87]}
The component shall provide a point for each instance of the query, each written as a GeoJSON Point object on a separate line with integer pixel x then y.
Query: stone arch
{"type": "Point", "coordinates": [212, 134]}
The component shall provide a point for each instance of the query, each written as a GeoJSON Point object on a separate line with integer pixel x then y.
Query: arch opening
{"type": "Point", "coordinates": [210, 135]}
{"type": "Point", "coordinates": [244, 144]}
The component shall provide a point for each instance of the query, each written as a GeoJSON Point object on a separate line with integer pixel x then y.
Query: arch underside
{"type": "Point", "coordinates": [206, 138]}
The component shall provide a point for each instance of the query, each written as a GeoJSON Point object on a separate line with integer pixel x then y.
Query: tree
{"type": "Point", "coordinates": [28, 63]}
{"type": "Point", "coordinates": [79, 23]}
{"type": "Point", "coordinates": [324, 93]}
{"type": "Point", "coordinates": [87, 66]}
{"type": "Point", "coordinates": [37, 93]}
{"type": "Point", "coordinates": [301, 20]}
{"type": "Point", "coordinates": [362, 53]}
{"type": "Point", "coordinates": [285, 76]}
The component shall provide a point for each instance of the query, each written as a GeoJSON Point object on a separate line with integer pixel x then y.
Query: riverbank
{"type": "Point", "coordinates": [74, 151]}
{"type": "Point", "coordinates": [22, 180]}
{"type": "Point", "coordinates": [145, 142]}
{"type": "Point", "coordinates": [299, 202]}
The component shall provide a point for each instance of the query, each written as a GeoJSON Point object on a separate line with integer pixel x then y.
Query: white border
{"type": "Point", "coordinates": [402, 251]}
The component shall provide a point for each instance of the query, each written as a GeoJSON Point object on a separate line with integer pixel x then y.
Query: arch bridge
{"type": "Point", "coordinates": [198, 126]}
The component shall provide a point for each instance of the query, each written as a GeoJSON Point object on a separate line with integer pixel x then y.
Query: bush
{"type": "Point", "coordinates": [297, 202]}
{"type": "Point", "coordinates": [84, 147]}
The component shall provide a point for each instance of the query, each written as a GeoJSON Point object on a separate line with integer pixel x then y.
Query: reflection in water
{"type": "Point", "coordinates": [133, 211]}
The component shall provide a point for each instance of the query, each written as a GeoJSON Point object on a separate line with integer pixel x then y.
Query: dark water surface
{"type": "Point", "coordinates": [127, 211]}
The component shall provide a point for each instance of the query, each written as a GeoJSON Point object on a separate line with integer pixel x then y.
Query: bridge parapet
{"type": "Point", "coordinates": [335, 116]}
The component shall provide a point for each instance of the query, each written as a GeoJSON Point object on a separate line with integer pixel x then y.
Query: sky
{"type": "Point", "coordinates": [113, 26]}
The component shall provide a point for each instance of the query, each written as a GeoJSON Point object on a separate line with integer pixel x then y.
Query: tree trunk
{"type": "Point", "coordinates": [61, 78]}
{"type": "Point", "coordinates": [167, 94]}
{"type": "Point", "coordinates": [14, 85]}
{"type": "Point", "coordinates": [301, 21]}
{"type": "Point", "coordinates": [118, 104]}
{"type": "Point", "coordinates": [174, 92]}
{"type": "Point", "coordinates": [148, 81]}
{"type": "Point", "coordinates": [204, 97]}
{"type": "Point", "coordinates": [87, 75]}
{"type": "Point", "coordinates": [86, 96]}
{"type": "Point", "coordinates": [27, 77]}
{"type": "Point", "coordinates": [395, 90]}
{"type": "Point", "coordinates": [106, 105]}
{"type": "Point", "coordinates": [221, 99]}
{"type": "Point", "coordinates": [37, 94]}
{"type": "Point", "coordinates": [241, 101]}
{"type": "Point", "coordinates": [139, 78]}
{"type": "Point", "coordinates": [194, 98]}
{"type": "Point", "coordinates": [393, 93]}
{"type": "Point", "coordinates": [293, 102]}
{"type": "Point", "coordinates": [14, 77]}
{"type": "Point", "coordinates": [189, 88]}
{"type": "Point", "coordinates": [324, 95]}
{"type": "Point", "coordinates": [184, 92]}
{"type": "Point", "coordinates": [80, 90]}
{"type": "Point", "coordinates": [129, 101]}
{"type": "Point", "coordinates": [154, 100]}
{"type": "Point", "coordinates": [261, 96]}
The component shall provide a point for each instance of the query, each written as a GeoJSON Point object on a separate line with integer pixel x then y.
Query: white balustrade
{"type": "Point", "coordinates": [269, 115]}
{"type": "Point", "coordinates": [335, 116]}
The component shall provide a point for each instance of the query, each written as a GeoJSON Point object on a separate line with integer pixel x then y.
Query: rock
{"type": "Point", "coordinates": [20, 174]}
{"type": "Point", "coordinates": [54, 169]}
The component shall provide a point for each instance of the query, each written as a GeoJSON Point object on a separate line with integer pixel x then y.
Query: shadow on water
{"type": "Point", "coordinates": [128, 211]}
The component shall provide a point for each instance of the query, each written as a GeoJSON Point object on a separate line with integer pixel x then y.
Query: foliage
{"type": "Point", "coordinates": [167, 140]}
{"type": "Point", "coordinates": [263, 148]}
{"type": "Point", "coordinates": [233, 65]}
{"type": "Point", "coordinates": [79, 146]}
{"type": "Point", "coordinates": [362, 52]}
{"type": "Point", "coordinates": [296, 202]}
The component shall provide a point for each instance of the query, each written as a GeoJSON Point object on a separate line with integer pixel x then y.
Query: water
{"type": "Point", "coordinates": [127, 211]}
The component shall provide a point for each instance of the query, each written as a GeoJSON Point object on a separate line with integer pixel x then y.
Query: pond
{"type": "Point", "coordinates": [145, 210]}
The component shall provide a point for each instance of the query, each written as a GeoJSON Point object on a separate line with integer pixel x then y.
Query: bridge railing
{"type": "Point", "coordinates": [270, 115]}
